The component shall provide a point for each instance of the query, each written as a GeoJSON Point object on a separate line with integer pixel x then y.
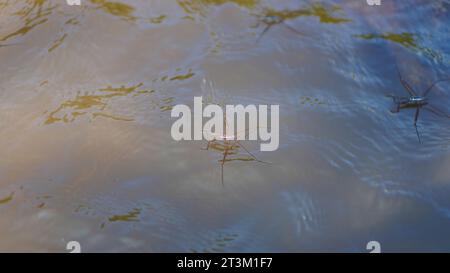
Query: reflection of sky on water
{"type": "Point", "coordinates": [85, 100]}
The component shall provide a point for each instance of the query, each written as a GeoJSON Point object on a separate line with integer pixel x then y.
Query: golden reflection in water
{"type": "Point", "coordinates": [85, 103]}
{"type": "Point", "coordinates": [33, 14]}
{"type": "Point", "coordinates": [317, 10]}
{"type": "Point", "coordinates": [3, 4]}
{"type": "Point", "coordinates": [132, 216]}
{"type": "Point", "coordinates": [158, 19]}
{"type": "Point", "coordinates": [95, 103]}
{"type": "Point", "coordinates": [57, 42]}
{"type": "Point", "coordinates": [325, 15]}
{"type": "Point", "coordinates": [197, 6]}
{"type": "Point", "coordinates": [189, 75]}
{"type": "Point", "coordinates": [7, 199]}
{"type": "Point", "coordinates": [167, 104]}
{"type": "Point", "coordinates": [405, 39]}
{"type": "Point", "coordinates": [116, 8]}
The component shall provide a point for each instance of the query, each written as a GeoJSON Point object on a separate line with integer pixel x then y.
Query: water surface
{"type": "Point", "coordinates": [85, 100]}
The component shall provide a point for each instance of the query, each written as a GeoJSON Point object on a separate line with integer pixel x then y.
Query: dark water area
{"type": "Point", "coordinates": [86, 152]}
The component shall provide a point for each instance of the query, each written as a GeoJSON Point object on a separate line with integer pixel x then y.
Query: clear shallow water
{"type": "Point", "coordinates": [85, 99]}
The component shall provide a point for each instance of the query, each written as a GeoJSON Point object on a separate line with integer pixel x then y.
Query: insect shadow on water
{"type": "Point", "coordinates": [417, 101]}
{"type": "Point", "coordinates": [270, 20]}
{"type": "Point", "coordinates": [228, 145]}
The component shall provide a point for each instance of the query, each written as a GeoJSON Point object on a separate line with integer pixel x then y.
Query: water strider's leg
{"type": "Point", "coordinates": [251, 154]}
{"type": "Point", "coordinates": [258, 23]}
{"type": "Point", "coordinates": [209, 144]}
{"type": "Point", "coordinates": [396, 100]}
{"type": "Point", "coordinates": [418, 135]}
{"type": "Point", "coordinates": [406, 85]}
{"type": "Point", "coordinates": [416, 117]}
{"type": "Point", "coordinates": [395, 108]}
{"type": "Point", "coordinates": [263, 32]}
{"type": "Point", "coordinates": [434, 84]}
{"type": "Point", "coordinates": [437, 111]}
{"type": "Point", "coordinates": [225, 154]}
{"type": "Point", "coordinates": [291, 28]}
{"type": "Point", "coordinates": [221, 175]}
{"type": "Point", "coordinates": [398, 107]}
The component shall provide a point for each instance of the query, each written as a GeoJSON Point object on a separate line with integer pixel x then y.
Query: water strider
{"type": "Point", "coordinates": [228, 145]}
{"type": "Point", "coordinates": [270, 20]}
{"type": "Point", "coordinates": [417, 101]}
{"type": "Point", "coordinates": [257, 126]}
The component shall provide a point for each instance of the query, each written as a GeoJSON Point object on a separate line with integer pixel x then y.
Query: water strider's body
{"type": "Point", "coordinates": [272, 20]}
{"type": "Point", "coordinates": [409, 102]}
